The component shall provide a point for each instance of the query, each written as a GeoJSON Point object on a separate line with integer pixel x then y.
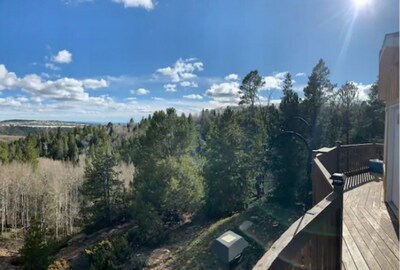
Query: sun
{"type": "Point", "coordinates": [361, 3]}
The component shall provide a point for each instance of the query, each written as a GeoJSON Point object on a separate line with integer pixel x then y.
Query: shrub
{"type": "Point", "coordinates": [60, 264]}
{"type": "Point", "coordinates": [137, 262]}
{"type": "Point", "coordinates": [36, 251]}
{"type": "Point", "coordinates": [150, 231]}
{"type": "Point", "coordinates": [102, 256]}
{"type": "Point", "coordinates": [109, 254]}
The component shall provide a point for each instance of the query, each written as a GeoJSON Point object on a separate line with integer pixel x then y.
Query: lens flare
{"type": "Point", "coordinates": [361, 3]}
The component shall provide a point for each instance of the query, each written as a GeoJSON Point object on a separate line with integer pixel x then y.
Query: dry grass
{"type": "Point", "coordinates": [190, 246]}
{"type": "Point", "coordinates": [9, 138]}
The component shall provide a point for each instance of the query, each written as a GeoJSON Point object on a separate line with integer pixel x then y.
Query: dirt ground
{"type": "Point", "coordinates": [8, 251]}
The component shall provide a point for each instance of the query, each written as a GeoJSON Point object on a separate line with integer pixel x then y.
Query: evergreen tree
{"type": "Point", "coordinates": [101, 190]}
{"type": "Point", "coordinates": [314, 97]}
{"type": "Point", "coordinates": [347, 95]}
{"type": "Point", "coordinates": [290, 104]}
{"type": "Point", "coordinates": [228, 185]}
{"type": "Point", "coordinates": [35, 253]}
{"type": "Point", "coordinates": [251, 84]}
{"type": "Point", "coordinates": [288, 156]}
{"type": "Point", "coordinates": [73, 151]}
{"type": "Point", "coordinates": [3, 153]}
{"type": "Point", "coordinates": [374, 116]}
{"type": "Point", "coordinates": [168, 176]}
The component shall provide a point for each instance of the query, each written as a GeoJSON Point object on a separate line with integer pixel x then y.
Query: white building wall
{"type": "Point", "coordinates": [392, 157]}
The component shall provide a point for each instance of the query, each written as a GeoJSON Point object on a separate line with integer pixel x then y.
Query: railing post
{"type": "Point", "coordinates": [338, 144]}
{"type": "Point", "coordinates": [338, 181]}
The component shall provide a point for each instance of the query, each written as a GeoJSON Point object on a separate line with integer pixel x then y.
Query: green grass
{"type": "Point", "coordinates": [270, 221]}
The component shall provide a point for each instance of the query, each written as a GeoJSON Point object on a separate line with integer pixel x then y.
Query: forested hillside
{"type": "Point", "coordinates": [169, 170]}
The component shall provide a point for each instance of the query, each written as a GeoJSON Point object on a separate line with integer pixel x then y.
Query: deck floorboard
{"type": "Point", "coordinates": [370, 231]}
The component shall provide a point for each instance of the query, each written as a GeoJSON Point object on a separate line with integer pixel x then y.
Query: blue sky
{"type": "Point", "coordinates": [110, 60]}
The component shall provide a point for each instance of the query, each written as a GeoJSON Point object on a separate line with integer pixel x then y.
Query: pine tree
{"type": "Point", "coordinates": [315, 95]}
{"type": "Point", "coordinates": [228, 185]}
{"type": "Point", "coordinates": [288, 155]}
{"type": "Point", "coordinates": [347, 95]}
{"type": "Point", "coordinates": [374, 116]}
{"type": "Point", "coordinates": [3, 153]}
{"type": "Point", "coordinates": [251, 84]}
{"type": "Point", "coordinates": [101, 190]}
{"type": "Point", "coordinates": [73, 151]}
{"type": "Point", "coordinates": [35, 252]}
{"type": "Point", "coordinates": [168, 176]}
{"type": "Point", "coordinates": [290, 104]}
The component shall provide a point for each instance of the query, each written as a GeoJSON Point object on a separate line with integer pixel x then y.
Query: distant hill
{"type": "Point", "coordinates": [20, 127]}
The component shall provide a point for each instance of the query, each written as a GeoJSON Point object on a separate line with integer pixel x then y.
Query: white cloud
{"type": "Point", "coordinates": [170, 87]}
{"type": "Point", "coordinates": [62, 57]}
{"type": "Point", "coordinates": [8, 80]}
{"type": "Point", "coordinates": [182, 70]}
{"type": "Point", "coordinates": [22, 99]}
{"type": "Point", "coordinates": [60, 89]}
{"type": "Point", "coordinates": [227, 92]}
{"type": "Point", "coordinates": [189, 84]}
{"type": "Point", "coordinates": [299, 87]}
{"type": "Point", "coordinates": [158, 98]}
{"type": "Point", "coordinates": [232, 77]}
{"type": "Point", "coordinates": [147, 4]}
{"type": "Point", "coordinates": [193, 96]}
{"type": "Point", "coordinates": [300, 74]}
{"type": "Point", "coordinates": [274, 82]}
{"type": "Point", "coordinates": [9, 102]}
{"type": "Point", "coordinates": [140, 91]}
{"type": "Point", "coordinates": [51, 66]}
{"type": "Point", "coordinates": [95, 84]}
{"type": "Point", "coordinates": [363, 90]}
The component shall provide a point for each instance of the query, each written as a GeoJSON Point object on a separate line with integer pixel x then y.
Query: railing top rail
{"type": "Point", "coordinates": [294, 231]}
{"type": "Point", "coordinates": [359, 145]}
{"type": "Point", "coordinates": [324, 150]}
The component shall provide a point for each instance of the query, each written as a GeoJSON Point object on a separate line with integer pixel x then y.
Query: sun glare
{"type": "Point", "coordinates": [361, 3]}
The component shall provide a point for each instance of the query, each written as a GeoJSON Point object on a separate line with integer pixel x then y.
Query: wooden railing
{"type": "Point", "coordinates": [354, 158]}
{"type": "Point", "coordinates": [314, 241]}
{"type": "Point", "coordinates": [350, 159]}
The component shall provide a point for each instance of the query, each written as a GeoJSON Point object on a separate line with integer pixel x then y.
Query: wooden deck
{"type": "Point", "coordinates": [370, 230]}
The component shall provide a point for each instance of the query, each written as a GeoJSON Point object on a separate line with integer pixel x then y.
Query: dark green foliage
{"type": "Point", "coordinates": [109, 254]}
{"type": "Point", "coordinates": [168, 175]}
{"type": "Point", "coordinates": [315, 93]}
{"type": "Point", "coordinates": [73, 151]}
{"type": "Point", "coordinates": [102, 191]}
{"type": "Point", "coordinates": [228, 185]}
{"type": "Point", "coordinates": [290, 105]}
{"type": "Point", "coordinates": [36, 252]}
{"type": "Point", "coordinates": [287, 156]}
{"type": "Point", "coordinates": [251, 84]}
{"type": "Point", "coordinates": [347, 97]}
{"type": "Point", "coordinates": [372, 115]}
{"type": "Point", "coordinates": [61, 144]}
{"type": "Point", "coordinates": [3, 153]}
{"type": "Point", "coordinates": [150, 226]}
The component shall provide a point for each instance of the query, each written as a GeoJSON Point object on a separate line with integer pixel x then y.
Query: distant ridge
{"type": "Point", "coordinates": [23, 127]}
